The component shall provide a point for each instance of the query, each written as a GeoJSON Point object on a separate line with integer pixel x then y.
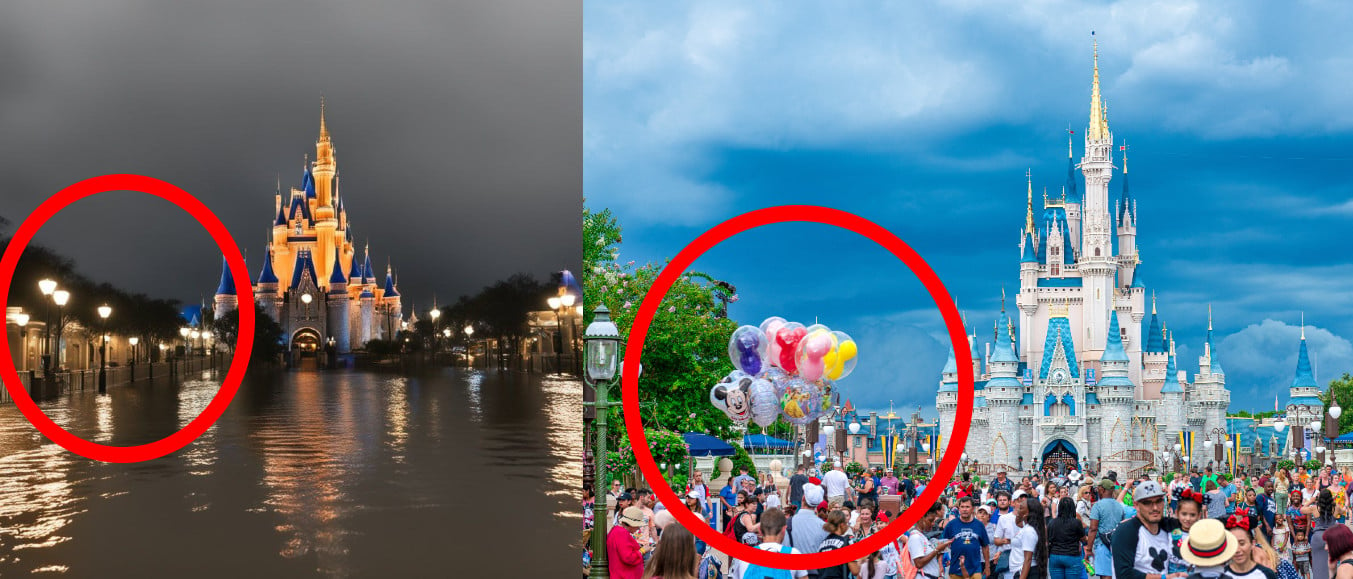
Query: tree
{"type": "Point", "coordinates": [686, 350]}
{"type": "Point", "coordinates": [267, 335]}
{"type": "Point", "coordinates": [1341, 389]}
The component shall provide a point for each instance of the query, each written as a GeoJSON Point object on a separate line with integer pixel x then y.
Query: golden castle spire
{"type": "Point", "coordinates": [1099, 124]}
{"type": "Point", "coordinates": [323, 128]}
{"type": "Point", "coordinates": [1029, 203]}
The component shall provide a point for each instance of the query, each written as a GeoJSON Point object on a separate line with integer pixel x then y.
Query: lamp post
{"type": "Point", "coordinates": [133, 341]}
{"type": "Point", "coordinates": [469, 346]}
{"type": "Point", "coordinates": [104, 312]}
{"type": "Point", "coordinates": [556, 303]}
{"type": "Point", "coordinates": [603, 344]}
{"type": "Point", "coordinates": [61, 297]}
{"type": "Point", "coordinates": [434, 314]}
{"type": "Point", "coordinates": [47, 286]}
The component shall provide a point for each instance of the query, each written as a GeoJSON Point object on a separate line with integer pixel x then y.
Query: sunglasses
{"type": "Point", "coordinates": [1151, 502]}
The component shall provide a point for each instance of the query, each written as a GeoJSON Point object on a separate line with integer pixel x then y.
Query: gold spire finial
{"type": "Point", "coordinates": [1029, 203]}
{"type": "Point", "coordinates": [323, 128]}
{"type": "Point", "coordinates": [1097, 124]}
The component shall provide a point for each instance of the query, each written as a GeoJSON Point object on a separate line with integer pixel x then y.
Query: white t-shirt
{"type": "Point", "coordinates": [1026, 539]}
{"type": "Point", "coordinates": [1153, 551]}
{"type": "Point", "coordinates": [1005, 529]}
{"type": "Point", "coordinates": [773, 501]}
{"type": "Point", "coordinates": [836, 482]}
{"type": "Point", "coordinates": [919, 546]}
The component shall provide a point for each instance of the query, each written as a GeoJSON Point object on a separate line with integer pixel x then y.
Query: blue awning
{"type": "Point", "coordinates": [1345, 437]}
{"type": "Point", "coordinates": [706, 445]}
{"type": "Point", "coordinates": [751, 441]}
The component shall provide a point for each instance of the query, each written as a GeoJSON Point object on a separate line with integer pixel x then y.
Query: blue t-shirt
{"type": "Point", "coordinates": [1109, 513]}
{"type": "Point", "coordinates": [969, 538]}
{"type": "Point", "coordinates": [1268, 508]}
{"type": "Point", "coordinates": [728, 494]}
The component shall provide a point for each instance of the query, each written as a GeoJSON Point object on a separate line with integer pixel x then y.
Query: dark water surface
{"type": "Point", "coordinates": [342, 474]}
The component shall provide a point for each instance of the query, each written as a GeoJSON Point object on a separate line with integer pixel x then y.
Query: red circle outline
{"type": "Point", "coordinates": [243, 344]}
{"type": "Point", "coordinates": [634, 351]}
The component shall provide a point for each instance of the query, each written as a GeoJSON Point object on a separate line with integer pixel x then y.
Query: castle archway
{"type": "Point", "coordinates": [306, 342]}
{"type": "Point", "coordinates": [1060, 455]}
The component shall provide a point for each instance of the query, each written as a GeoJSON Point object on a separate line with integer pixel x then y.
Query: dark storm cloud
{"type": "Point", "coordinates": [457, 126]}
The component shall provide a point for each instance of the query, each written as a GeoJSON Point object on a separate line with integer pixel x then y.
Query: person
{"type": "Point", "coordinates": [1002, 483]}
{"type": "Point", "coordinates": [925, 555]}
{"type": "Point", "coordinates": [1243, 564]}
{"type": "Point", "coordinates": [889, 484]}
{"type": "Point", "coordinates": [728, 497]}
{"type": "Point", "coordinates": [1301, 554]}
{"type": "Point", "coordinates": [805, 527]}
{"type": "Point", "coordinates": [675, 556]}
{"type": "Point", "coordinates": [1339, 543]}
{"type": "Point", "coordinates": [625, 554]}
{"type": "Point", "coordinates": [796, 483]}
{"type": "Point", "coordinates": [835, 482]}
{"type": "Point", "coordinates": [1085, 500]}
{"type": "Point", "coordinates": [984, 515]}
{"type": "Point", "coordinates": [1105, 516]}
{"type": "Point", "coordinates": [1208, 548]}
{"type": "Point", "coordinates": [1282, 537]}
{"type": "Point", "coordinates": [1024, 542]}
{"type": "Point", "coordinates": [836, 527]}
{"type": "Point", "coordinates": [624, 501]}
{"type": "Point", "coordinates": [1281, 489]}
{"type": "Point", "coordinates": [616, 490]}
{"type": "Point", "coordinates": [772, 533]}
{"type": "Point", "coordinates": [1066, 534]}
{"type": "Point", "coordinates": [742, 477]}
{"type": "Point", "coordinates": [970, 541]}
{"type": "Point", "coordinates": [698, 486]}
{"type": "Point", "coordinates": [1006, 529]}
{"type": "Point", "coordinates": [1189, 509]}
{"type": "Point", "coordinates": [1321, 511]}
{"type": "Point", "coordinates": [867, 488]}
{"type": "Point", "coordinates": [1216, 501]}
{"type": "Point", "coordinates": [1141, 545]}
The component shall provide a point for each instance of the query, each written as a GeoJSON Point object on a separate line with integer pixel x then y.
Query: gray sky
{"type": "Point", "coordinates": [457, 128]}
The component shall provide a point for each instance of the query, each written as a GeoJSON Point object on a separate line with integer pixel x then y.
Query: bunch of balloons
{"type": "Point", "coordinates": [783, 369]}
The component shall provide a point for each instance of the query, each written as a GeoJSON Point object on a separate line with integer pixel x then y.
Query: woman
{"type": "Point", "coordinates": [1322, 518]}
{"type": "Point", "coordinates": [1243, 564]}
{"type": "Point", "coordinates": [925, 555]}
{"type": "Point", "coordinates": [1339, 543]}
{"type": "Point", "coordinates": [1066, 534]}
{"type": "Point", "coordinates": [675, 557]}
{"type": "Point", "coordinates": [1084, 501]}
{"type": "Point", "coordinates": [836, 527]}
{"type": "Point", "coordinates": [1280, 493]}
{"type": "Point", "coordinates": [1029, 547]}
{"type": "Point", "coordinates": [744, 516]}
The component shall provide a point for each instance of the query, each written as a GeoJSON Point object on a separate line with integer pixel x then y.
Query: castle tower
{"type": "Point", "coordinates": [225, 300]}
{"type": "Point", "coordinates": [1304, 404]}
{"type": "Point", "coordinates": [338, 307]}
{"type": "Point", "coordinates": [1073, 199]}
{"type": "Point", "coordinates": [947, 400]}
{"type": "Point", "coordinates": [1154, 357]}
{"type": "Point", "coordinates": [266, 291]}
{"type": "Point", "coordinates": [1126, 219]}
{"type": "Point", "coordinates": [1004, 391]}
{"type": "Point", "coordinates": [1097, 264]}
{"type": "Point", "coordinates": [366, 314]}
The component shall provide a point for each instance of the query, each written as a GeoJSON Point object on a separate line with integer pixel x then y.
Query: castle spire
{"type": "Point", "coordinates": [1124, 148]}
{"type": "Point", "coordinates": [1099, 125]}
{"type": "Point", "coordinates": [1029, 203]}
{"type": "Point", "coordinates": [323, 128]}
{"type": "Point", "coordinates": [1305, 378]}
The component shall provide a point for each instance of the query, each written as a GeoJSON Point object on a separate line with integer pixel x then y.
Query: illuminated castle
{"type": "Point", "coordinates": [312, 282]}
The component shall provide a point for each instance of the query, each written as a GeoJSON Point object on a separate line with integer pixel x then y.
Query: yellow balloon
{"type": "Point", "coordinates": [835, 361]}
{"type": "Point", "coordinates": [848, 350]}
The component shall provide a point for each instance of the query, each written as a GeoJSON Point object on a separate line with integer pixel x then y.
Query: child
{"type": "Point", "coordinates": [1301, 554]}
{"type": "Point", "coordinates": [1282, 541]}
{"type": "Point", "coordinates": [1190, 508]}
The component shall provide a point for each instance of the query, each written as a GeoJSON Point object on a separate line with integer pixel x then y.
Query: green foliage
{"type": "Point", "coordinates": [686, 350]}
{"type": "Point", "coordinates": [1341, 389]}
{"type": "Point", "coordinates": [854, 468]}
{"type": "Point", "coordinates": [499, 311]}
{"type": "Point", "coordinates": [1286, 463]}
{"type": "Point", "coordinates": [741, 459]}
{"type": "Point", "coordinates": [267, 335]}
{"type": "Point", "coordinates": [1312, 464]}
{"type": "Point", "coordinates": [1256, 415]}
{"type": "Point", "coordinates": [667, 447]}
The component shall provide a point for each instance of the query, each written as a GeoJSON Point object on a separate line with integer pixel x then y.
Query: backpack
{"type": "Point", "coordinates": [759, 572]}
{"type": "Point", "coordinates": [710, 568]}
{"type": "Point", "coordinates": [728, 531]}
{"type": "Point", "coordinates": [908, 570]}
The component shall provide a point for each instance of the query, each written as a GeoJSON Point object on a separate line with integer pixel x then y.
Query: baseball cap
{"type": "Point", "coordinates": [694, 494]}
{"type": "Point", "coordinates": [625, 497]}
{"type": "Point", "coordinates": [1107, 484]}
{"type": "Point", "coordinates": [1147, 490]}
{"type": "Point", "coordinates": [812, 494]}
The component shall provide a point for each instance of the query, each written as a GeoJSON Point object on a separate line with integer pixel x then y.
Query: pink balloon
{"type": "Point", "coordinates": [815, 348]}
{"type": "Point", "coordinates": [772, 327]}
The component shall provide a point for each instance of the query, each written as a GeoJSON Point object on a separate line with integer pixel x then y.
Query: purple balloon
{"type": "Point", "coordinates": [748, 353]}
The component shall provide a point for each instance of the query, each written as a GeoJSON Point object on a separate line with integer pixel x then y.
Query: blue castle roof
{"type": "Point", "coordinates": [1137, 281]}
{"type": "Point", "coordinates": [1306, 401]}
{"type": "Point", "coordinates": [1125, 199]}
{"type": "Point", "coordinates": [1172, 384]}
{"type": "Point", "coordinates": [1005, 349]}
{"type": "Point", "coordinates": [1113, 350]}
{"type": "Point", "coordinates": [298, 205]}
{"type": "Point", "coordinates": [950, 367]}
{"type": "Point", "coordinates": [390, 287]}
{"type": "Point", "coordinates": [281, 215]}
{"type": "Point", "coordinates": [267, 275]}
{"type": "Point", "coordinates": [367, 272]}
{"type": "Point", "coordinates": [1091, 398]}
{"type": "Point", "coordinates": [304, 266]}
{"type": "Point", "coordinates": [1072, 193]}
{"type": "Point", "coordinates": [366, 293]}
{"type": "Point", "coordinates": [1028, 255]}
{"type": "Point", "coordinates": [355, 271]}
{"type": "Point", "coordinates": [1154, 341]}
{"type": "Point", "coordinates": [1050, 215]}
{"type": "Point", "coordinates": [336, 277]}
{"type": "Point", "coordinates": [1212, 349]}
{"type": "Point", "coordinates": [1059, 328]}
{"type": "Point", "coordinates": [1304, 378]}
{"type": "Point", "coordinates": [308, 184]}
{"type": "Point", "coordinates": [227, 285]}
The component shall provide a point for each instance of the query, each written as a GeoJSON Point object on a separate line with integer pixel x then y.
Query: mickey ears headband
{"type": "Point", "coordinates": [1240, 520]}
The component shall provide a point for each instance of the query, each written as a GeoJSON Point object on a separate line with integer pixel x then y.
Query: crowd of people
{"type": "Point", "coordinates": [1288, 524]}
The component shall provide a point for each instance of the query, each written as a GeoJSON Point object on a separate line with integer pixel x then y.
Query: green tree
{"type": "Point", "coordinates": [686, 350]}
{"type": "Point", "coordinates": [1341, 389]}
{"type": "Point", "coordinates": [267, 347]}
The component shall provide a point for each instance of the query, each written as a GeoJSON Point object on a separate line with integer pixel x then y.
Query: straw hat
{"type": "Point", "coordinates": [1209, 544]}
{"type": "Point", "coordinates": [634, 517]}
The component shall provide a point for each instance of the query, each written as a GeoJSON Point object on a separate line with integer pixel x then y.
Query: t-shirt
{"type": "Point", "coordinates": [1025, 540]}
{"type": "Point", "coordinates": [969, 538]}
{"type": "Point", "coordinates": [919, 546]}
{"type": "Point", "coordinates": [1064, 537]}
{"type": "Point", "coordinates": [1258, 572]}
{"type": "Point", "coordinates": [729, 495]}
{"type": "Point", "coordinates": [1007, 486]}
{"type": "Point", "coordinates": [1109, 513]}
{"type": "Point", "coordinates": [1216, 505]}
{"type": "Point", "coordinates": [796, 483]}
{"type": "Point", "coordinates": [1138, 552]}
{"type": "Point", "coordinates": [891, 483]}
{"type": "Point", "coordinates": [1005, 529]}
{"type": "Point", "coordinates": [740, 566]}
{"type": "Point", "coordinates": [832, 543]}
{"type": "Point", "coordinates": [806, 531]}
{"type": "Point", "coordinates": [836, 482]}
{"type": "Point", "coordinates": [1197, 483]}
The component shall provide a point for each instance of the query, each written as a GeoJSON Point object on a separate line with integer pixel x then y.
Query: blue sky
{"type": "Point", "coordinates": [924, 120]}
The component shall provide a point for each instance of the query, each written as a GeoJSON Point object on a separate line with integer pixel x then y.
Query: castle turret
{"type": "Point", "coordinates": [1304, 404]}
{"type": "Point", "coordinates": [339, 309]}
{"type": "Point", "coordinates": [1073, 198]}
{"type": "Point", "coordinates": [225, 300]}
{"type": "Point", "coordinates": [1126, 219]}
{"type": "Point", "coordinates": [267, 287]}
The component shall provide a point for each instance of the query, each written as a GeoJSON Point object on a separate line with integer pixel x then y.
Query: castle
{"type": "Point", "coordinates": [312, 282]}
{"type": "Point", "coordinates": [1074, 380]}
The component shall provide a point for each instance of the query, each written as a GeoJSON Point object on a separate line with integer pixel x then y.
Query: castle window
{"type": "Point", "coordinates": [1056, 269]}
{"type": "Point", "coordinates": [1096, 252]}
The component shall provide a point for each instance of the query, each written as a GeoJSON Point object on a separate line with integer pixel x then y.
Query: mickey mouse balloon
{"type": "Point", "coordinates": [747, 349]}
{"type": "Point", "coordinates": [732, 395]}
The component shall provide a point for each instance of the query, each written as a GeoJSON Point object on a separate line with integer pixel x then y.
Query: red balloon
{"type": "Point", "coordinates": [789, 341]}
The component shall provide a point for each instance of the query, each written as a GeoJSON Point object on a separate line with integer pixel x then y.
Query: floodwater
{"type": "Point", "coordinates": [339, 474]}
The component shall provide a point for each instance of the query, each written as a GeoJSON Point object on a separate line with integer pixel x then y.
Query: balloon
{"type": "Point", "coordinates": [788, 339]}
{"type": "Point", "coordinates": [841, 361]}
{"type": "Point", "coordinates": [816, 327]}
{"type": "Point", "coordinates": [801, 402]}
{"type": "Point", "coordinates": [732, 397]}
{"type": "Point", "coordinates": [811, 351]}
{"type": "Point", "coordinates": [770, 328]}
{"type": "Point", "coordinates": [747, 348]}
{"type": "Point", "coordinates": [777, 378]}
{"type": "Point", "coordinates": [765, 404]}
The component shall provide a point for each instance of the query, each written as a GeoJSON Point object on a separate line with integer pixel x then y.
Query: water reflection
{"type": "Point", "coordinates": [305, 475]}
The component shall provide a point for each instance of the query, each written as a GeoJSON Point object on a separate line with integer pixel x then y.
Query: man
{"type": "Point", "coordinates": [737, 480]}
{"type": "Point", "coordinates": [1141, 545]}
{"type": "Point", "coordinates": [1196, 480]}
{"type": "Point", "coordinates": [806, 529]}
{"type": "Point", "coordinates": [836, 482]}
{"type": "Point", "coordinates": [625, 554]}
{"type": "Point", "coordinates": [970, 543]}
{"type": "Point", "coordinates": [625, 501]}
{"type": "Point", "coordinates": [1105, 516]}
{"type": "Point", "coordinates": [890, 483]}
{"type": "Point", "coordinates": [772, 532]}
{"type": "Point", "coordinates": [727, 496]}
{"type": "Point", "coordinates": [1269, 509]}
{"type": "Point", "coordinates": [796, 483]}
{"type": "Point", "coordinates": [645, 502]}
{"type": "Point", "coordinates": [1003, 506]}
{"type": "Point", "coordinates": [1209, 477]}
{"type": "Point", "coordinates": [1002, 484]}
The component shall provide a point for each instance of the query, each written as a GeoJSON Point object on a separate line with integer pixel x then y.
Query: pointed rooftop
{"type": "Point", "coordinates": [227, 285]}
{"type": "Point", "coordinates": [1059, 332]}
{"type": "Point", "coordinates": [949, 375]}
{"type": "Point", "coordinates": [1304, 378]}
{"type": "Point", "coordinates": [305, 266]}
{"type": "Point", "coordinates": [390, 285]}
{"type": "Point", "coordinates": [1212, 346]}
{"type": "Point", "coordinates": [1172, 385]}
{"type": "Point", "coordinates": [1154, 341]}
{"type": "Point", "coordinates": [1113, 350]}
{"type": "Point", "coordinates": [1028, 255]}
{"type": "Point", "coordinates": [1099, 121]}
{"type": "Point", "coordinates": [308, 183]}
{"type": "Point", "coordinates": [336, 276]}
{"type": "Point", "coordinates": [355, 271]}
{"type": "Point", "coordinates": [1072, 191]}
{"type": "Point", "coordinates": [266, 275]}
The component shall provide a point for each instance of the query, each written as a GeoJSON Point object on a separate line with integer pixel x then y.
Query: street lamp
{"type": "Point", "coordinates": [132, 341]}
{"type": "Point", "coordinates": [556, 303]}
{"type": "Point", "coordinates": [47, 286]}
{"type": "Point", "coordinates": [603, 343]}
{"type": "Point", "coordinates": [469, 342]}
{"type": "Point", "coordinates": [567, 301]}
{"type": "Point", "coordinates": [434, 314]}
{"type": "Point", "coordinates": [61, 297]}
{"type": "Point", "coordinates": [187, 346]}
{"type": "Point", "coordinates": [104, 312]}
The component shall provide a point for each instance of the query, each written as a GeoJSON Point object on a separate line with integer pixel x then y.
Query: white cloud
{"type": "Point", "coordinates": [1261, 359]}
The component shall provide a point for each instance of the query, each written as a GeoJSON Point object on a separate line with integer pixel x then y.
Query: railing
{"type": "Point", "coordinates": [989, 469]}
